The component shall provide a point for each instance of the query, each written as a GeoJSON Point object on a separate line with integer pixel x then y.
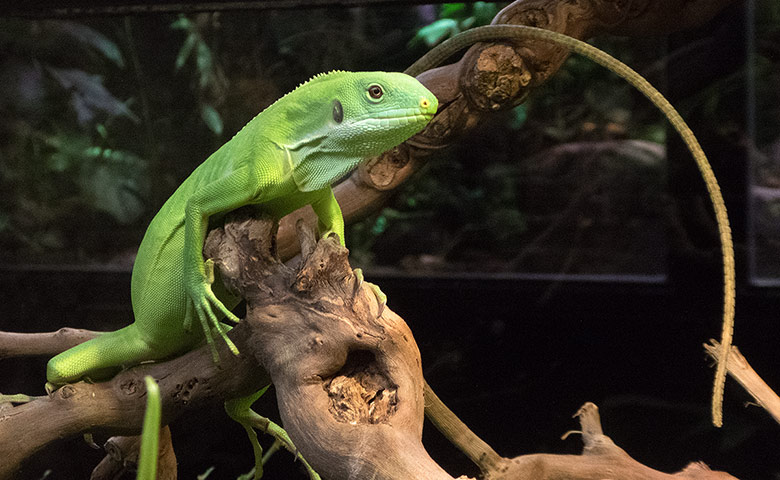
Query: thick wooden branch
{"type": "Point", "coordinates": [739, 369]}
{"type": "Point", "coordinates": [600, 459]}
{"type": "Point", "coordinates": [348, 382]}
{"type": "Point", "coordinates": [116, 407]}
{"type": "Point", "coordinates": [14, 344]}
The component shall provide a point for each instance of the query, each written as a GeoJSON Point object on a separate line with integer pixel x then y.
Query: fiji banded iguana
{"type": "Point", "coordinates": [284, 158]}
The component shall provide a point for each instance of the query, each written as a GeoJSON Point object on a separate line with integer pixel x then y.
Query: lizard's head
{"type": "Point", "coordinates": [375, 111]}
{"type": "Point", "coordinates": [354, 115]}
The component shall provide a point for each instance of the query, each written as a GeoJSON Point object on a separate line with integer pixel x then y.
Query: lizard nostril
{"type": "Point", "coordinates": [425, 103]}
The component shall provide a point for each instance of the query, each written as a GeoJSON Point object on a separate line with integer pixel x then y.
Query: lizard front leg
{"type": "Point", "coordinates": [225, 194]}
{"type": "Point", "coordinates": [329, 217]}
{"type": "Point", "coordinates": [331, 220]}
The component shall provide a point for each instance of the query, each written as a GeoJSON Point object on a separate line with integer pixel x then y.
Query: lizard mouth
{"type": "Point", "coordinates": [396, 118]}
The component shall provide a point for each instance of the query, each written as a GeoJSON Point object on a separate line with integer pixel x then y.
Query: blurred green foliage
{"type": "Point", "coordinates": [453, 19]}
{"type": "Point", "coordinates": [103, 118]}
{"type": "Point", "coordinates": [60, 169]}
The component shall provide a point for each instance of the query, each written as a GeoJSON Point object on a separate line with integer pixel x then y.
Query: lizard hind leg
{"type": "Point", "coordinates": [239, 409]}
{"type": "Point", "coordinates": [102, 356]}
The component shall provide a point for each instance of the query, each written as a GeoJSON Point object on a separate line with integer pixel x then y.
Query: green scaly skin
{"type": "Point", "coordinates": [521, 32]}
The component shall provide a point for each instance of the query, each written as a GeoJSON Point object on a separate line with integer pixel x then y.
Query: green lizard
{"type": "Point", "coordinates": [284, 158]}
{"type": "Point", "coordinates": [522, 32]}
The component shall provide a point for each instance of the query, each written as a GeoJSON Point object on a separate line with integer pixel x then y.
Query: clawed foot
{"type": "Point", "coordinates": [381, 298]}
{"type": "Point", "coordinates": [201, 303]}
{"type": "Point", "coordinates": [239, 410]}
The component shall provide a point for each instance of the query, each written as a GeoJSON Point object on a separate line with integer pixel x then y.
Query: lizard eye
{"type": "Point", "coordinates": [375, 92]}
{"type": "Point", "coordinates": [338, 111]}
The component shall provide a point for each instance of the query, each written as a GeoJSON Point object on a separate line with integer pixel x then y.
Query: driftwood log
{"type": "Point", "coordinates": [348, 381]}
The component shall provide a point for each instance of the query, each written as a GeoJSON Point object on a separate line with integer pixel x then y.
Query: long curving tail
{"type": "Point", "coordinates": [505, 32]}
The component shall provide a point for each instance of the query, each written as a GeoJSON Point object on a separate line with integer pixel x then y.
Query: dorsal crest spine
{"type": "Point", "coordinates": [320, 76]}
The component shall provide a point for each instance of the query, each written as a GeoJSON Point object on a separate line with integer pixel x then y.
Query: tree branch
{"type": "Point", "coordinates": [116, 407]}
{"type": "Point", "coordinates": [600, 459]}
{"type": "Point", "coordinates": [739, 368]}
{"type": "Point", "coordinates": [14, 344]}
{"type": "Point", "coordinates": [349, 384]}
{"type": "Point", "coordinates": [122, 453]}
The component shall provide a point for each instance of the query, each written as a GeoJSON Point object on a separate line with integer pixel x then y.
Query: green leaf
{"type": "Point", "coordinates": [58, 162]}
{"type": "Point", "coordinates": [88, 36]}
{"type": "Point", "coordinates": [380, 225]}
{"type": "Point", "coordinates": [88, 95]}
{"type": "Point", "coordinates": [437, 31]}
{"type": "Point", "coordinates": [205, 64]}
{"type": "Point", "coordinates": [115, 182]}
{"type": "Point", "coordinates": [205, 475]}
{"type": "Point", "coordinates": [449, 10]}
{"type": "Point", "coordinates": [185, 51]}
{"type": "Point", "coordinates": [519, 116]}
{"type": "Point", "coordinates": [250, 475]}
{"type": "Point", "coordinates": [181, 23]}
{"type": "Point", "coordinates": [211, 118]}
{"type": "Point", "coordinates": [93, 152]}
{"type": "Point", "coordinates": [484, 12]}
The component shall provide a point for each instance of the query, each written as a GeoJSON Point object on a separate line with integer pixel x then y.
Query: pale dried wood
{"type": "Point", "coordinates": [739, 369]}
